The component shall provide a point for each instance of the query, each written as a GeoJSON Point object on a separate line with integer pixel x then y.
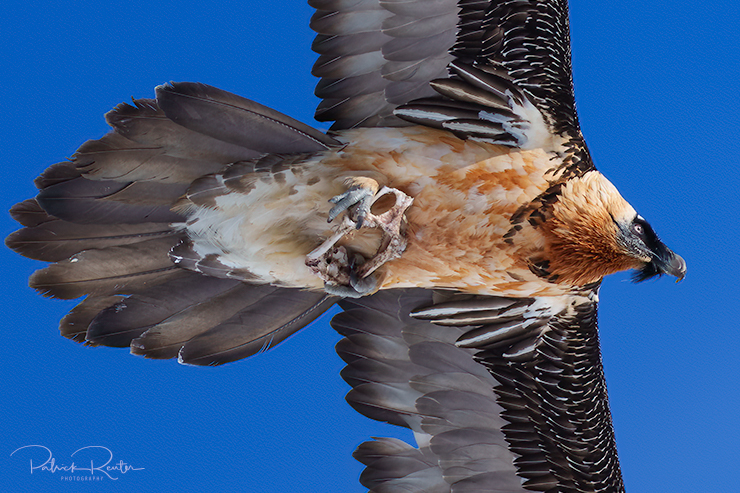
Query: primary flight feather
{"type": "Point", "coordinates": [453, 211]}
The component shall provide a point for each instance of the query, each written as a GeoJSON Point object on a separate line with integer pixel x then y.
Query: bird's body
{"type": "Point", "coordinates": [459, 228]}
{"type": "Point", "coordinates": [208, 227]}
{"type": "Point", "coordinates": [456, 226]}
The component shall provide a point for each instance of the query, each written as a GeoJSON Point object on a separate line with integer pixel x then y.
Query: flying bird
{"type": "Point", "coordinates": [453, 211]}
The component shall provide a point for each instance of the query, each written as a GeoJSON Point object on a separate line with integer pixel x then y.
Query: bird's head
{"type": "Point", "coordinates": [595, 232]}
{"type": "Point", "coordinates": [640, 240]}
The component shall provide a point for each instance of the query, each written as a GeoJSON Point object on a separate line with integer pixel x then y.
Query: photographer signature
{"type": "Point", "coordinates": [94, 459]}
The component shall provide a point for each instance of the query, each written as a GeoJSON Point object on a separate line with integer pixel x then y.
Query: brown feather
{"type": "Point", "coordinates": [582, 235]}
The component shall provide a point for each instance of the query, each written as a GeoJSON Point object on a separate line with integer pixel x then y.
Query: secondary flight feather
{"type": "Point", "coordinates": [453, 211]}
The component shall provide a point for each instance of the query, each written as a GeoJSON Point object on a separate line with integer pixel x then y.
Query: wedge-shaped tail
{"type": "Point", "coordinates": [107, 220]}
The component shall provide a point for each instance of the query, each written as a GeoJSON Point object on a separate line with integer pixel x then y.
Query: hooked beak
{"type": "Point", "coordinates": [664, 262]}
{"type": "Point", "coordinates": [674, 266]}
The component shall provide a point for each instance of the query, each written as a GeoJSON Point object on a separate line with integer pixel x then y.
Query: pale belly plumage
{"type": "Point", "coordinates": [464, 192]}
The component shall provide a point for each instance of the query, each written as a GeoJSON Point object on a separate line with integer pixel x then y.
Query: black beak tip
{"type": "Point", "coordinates": [677, 267]}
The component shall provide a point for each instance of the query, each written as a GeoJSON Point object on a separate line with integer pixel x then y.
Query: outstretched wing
{"type": "Point", "coordinates": [378, 55]}
{"type": "Point", "coordinates": [537, 420]}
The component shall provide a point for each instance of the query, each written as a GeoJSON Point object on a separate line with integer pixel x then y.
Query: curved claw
{"type": "Point", "coordinates": [363, 285]}
{"type": "Point", "coordinates": [358, 286]}
{"type": "Point", "coordinates": [366, 286]}
{"type": "Point", "coordinates": [358, 196]}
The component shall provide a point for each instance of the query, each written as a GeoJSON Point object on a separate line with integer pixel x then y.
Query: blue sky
{"type": "Point", "coordinates": [657, 86]}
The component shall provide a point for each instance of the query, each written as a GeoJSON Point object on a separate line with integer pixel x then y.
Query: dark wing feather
{"type": "Point", "coordinates": [379, 55]}
{"type": "Point", "coordinates": [393, 466]}
{"type": "Point", "coordinates": [374, 56]}
{"type": "Point", "coordinates": [408, 372]}
{"type": "Point", "coordinates": [537, 420]}
{"type": "Point", "coordinates": [530, 39]}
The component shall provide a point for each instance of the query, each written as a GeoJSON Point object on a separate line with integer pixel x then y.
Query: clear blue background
{"type": "Point", "coordinates": [657, 89]}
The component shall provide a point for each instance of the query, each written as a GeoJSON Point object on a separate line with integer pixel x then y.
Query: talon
{"type": "Point", "coordinates": [357, 286]}
{"type": "Point", "coordinates": [363, 285]}
{"type": "Point", "coordinates": [341, 290]}
{"type": "Point", "coordinates": [359, 197]}
{"type": "Point", "coordinates": [351, 276]}
{"type": "Point", "coordinates": [355, 261]}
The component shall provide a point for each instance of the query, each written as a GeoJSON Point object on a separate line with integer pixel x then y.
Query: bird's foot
{"type": "Point", "coordinates": [357, 200]}
{"type": "Point", "coordinates": [352, 275]}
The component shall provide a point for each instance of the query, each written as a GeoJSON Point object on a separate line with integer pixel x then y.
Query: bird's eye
{"type": "Point", "coordinates": [638, 229]}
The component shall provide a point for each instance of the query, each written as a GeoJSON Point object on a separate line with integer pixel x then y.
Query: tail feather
{"type": "Point", "coordinates": [57, 173]}
{"type": "Point", "coordinates": [109, 219]}
{"type": "Point", "coordinates": [74, 325]}
{"type": "Point", "coordinates": [270, 315]}
{"type": "Point", "coordinates": [114, 157]}
{"type": "Point", "coordinates": [29, 213]}
{"type": "Point", "coordinates": [122, 322]}
{"type": "Point", "coordinates": [146, 124]}
{"type": "Point", "coordinates": [200, 320]}
{"type": "Point", "coordinates": [186, 305]}
{"type": "Point", "coordinates": [99, 202]}
{"type": "Point", "coordinates": [50, 239]}
{"type": "Point", "coordinates": [113, 270]}
{"type": "Point", "coordinates": [166, 337]}
{"type": "Point", "coordinates": [236, 120]}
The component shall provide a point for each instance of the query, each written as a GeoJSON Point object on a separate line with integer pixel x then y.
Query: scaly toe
{"type": "Point", "coordinates": [359, 197]}
{"type": "Point", "coordinates": [341, 290]}
{"type": "Point", "coordinates": [357, 288]}
{"type": "Point", "coordinates": [364, 286]}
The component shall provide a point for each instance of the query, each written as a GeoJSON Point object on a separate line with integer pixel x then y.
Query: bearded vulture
{"type": "Point", "coordinates": [453, 211]}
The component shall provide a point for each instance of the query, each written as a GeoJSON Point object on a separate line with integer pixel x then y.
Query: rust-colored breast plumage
{"type": "Point", "coordinates": [461, 228]}
{"type": "Point", "coordinates": [465, 194]}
